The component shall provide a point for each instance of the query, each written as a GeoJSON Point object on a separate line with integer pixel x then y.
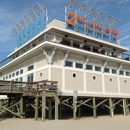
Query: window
{"type": "Point", "coordinates": [121, 72]}
{"type": "Point", "coordinates": [127, 73]}
{"type": "Point", "coordinates": [94, 77]}
{"type": "Point", "coordinates": [114, 71]}
{"type": "Point", "coordinates": [17, 73]}
{"type": "Point", "coordinates": [10, 76]}
{"type": "Point", "coordinates": [21, 71]}
{"type": "Point", "coordinates": [106, 70]}
{"type": "Point", "coordinates": [89, 67]}
{"type": "Point", "coordinates": [97, 68]}
{"type": "Point", "coordinates": [13, 74]}
{"type": "Point", "coordinates": [110, 79]}
{"type": "Point", "coordinates": [21, 79]}
{"type": "Point", "coordinates": [31, 67]}
{"type": "Point", "coordinates": [78, 65]}
{"type": "Point", "coordinates": [16, 79]}
{"type": "Point", "coordinates": [7, 77]}
{"type": "Point", "coordinates": [69, 64]}
{"type": "Point", "coordinates": [3, 78]}
{"type": "Point", "coordinates": [125, 81]}
{"type": "Point", "coordinates": [74, 75]}
{"type": "Point", "coordinates": [30, 78]}
{"type": "Point", "coordinates": [103, 51]}
{"type": "Point", "coordinates": [40, 74]}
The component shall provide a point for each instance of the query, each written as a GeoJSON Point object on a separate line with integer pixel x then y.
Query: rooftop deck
{"type": "Point", "coordinates": [122, 56]}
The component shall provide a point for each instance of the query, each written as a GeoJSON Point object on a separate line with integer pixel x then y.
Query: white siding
{"type": "Point", "coordinates": [94, 85]}
{"type": "Point", "coordinates": [72, 83]}
{"type": "Point", "coordinates": [41, 61]}
{"type": "Point", "coordinates": [57, 59]}
{"type": "Point", "coordinates": [44, 75]}
{"type": "Point", "coordinates": [125, 87]}
{"type": "Point", "coordinates": [30, 62]}
{"type": "Point", "coordinates": [111, 86]}
{"type": "Point", "coordinates": [57, 76]}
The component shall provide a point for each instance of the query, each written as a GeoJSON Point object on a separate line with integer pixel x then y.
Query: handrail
{"type": "Point", "coordinates": [43, 85]}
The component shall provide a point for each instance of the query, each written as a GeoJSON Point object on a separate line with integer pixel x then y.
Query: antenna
{"type": "Point", "coordinates": [100, 15]}
{"type": "Point", "coordinates": [108, 18]}
{"type": "Point", "coordinates": [115, 22]}
{"type": "Point", "coordinates": [82, 7]}
{"type": "Point", "coordinates": [71, 4]}
{"type": "Point", "coordinates": [91, 12]}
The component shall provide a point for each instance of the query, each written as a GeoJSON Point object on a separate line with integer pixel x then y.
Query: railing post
{"type": "Point", "coordinates": [10, 87]}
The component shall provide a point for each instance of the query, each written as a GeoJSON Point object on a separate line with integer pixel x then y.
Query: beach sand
{"type": "Point", "coordinates": [118, 122]}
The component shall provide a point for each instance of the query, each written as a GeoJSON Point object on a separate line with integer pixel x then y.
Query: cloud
{"type": "Point", "coordinates": [124, 38]}
{"type": "Point", "coordinates": [123, 2]}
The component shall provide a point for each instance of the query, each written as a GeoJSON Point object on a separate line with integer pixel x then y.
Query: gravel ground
{"type": "Point", "coordinates": [118, 122]}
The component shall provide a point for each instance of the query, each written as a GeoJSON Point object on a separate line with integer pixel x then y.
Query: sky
{"type": "Point", "coordinates": [12, 11]}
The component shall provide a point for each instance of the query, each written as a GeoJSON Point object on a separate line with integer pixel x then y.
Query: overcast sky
{"type": "Point", "coordinates": [12, 11]}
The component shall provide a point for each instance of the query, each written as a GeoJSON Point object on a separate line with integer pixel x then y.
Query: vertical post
{"type": "Point", "coordinates": [21, 105]}
{"type": "Point", "coordinates": [94, 108]}
{"type": "Point", "coordinates": [56, 107]}
{"type": "Point", "coordinates": [127, 108]}
{"type": "Point", "coordinates": [50, 109]}
{"type": "Point", "coordinates": [36, 108]}
{"type": "Point", "coordinates": [110, 107]}
{"type": "Point", "coordinates": [43, 106]}
{"type": "Point", "coordinates": [124, 107]}
{"type": "Point", "coordinates": [79, 111]}
{"type": "Point", "coordinates": [74, 108]}
{"type": "Point", "coordinates": [60, 111]}
{"type": "Point", "coordinates": [74, 103]}
{"type": "Point", "coordinates": [0, 105]}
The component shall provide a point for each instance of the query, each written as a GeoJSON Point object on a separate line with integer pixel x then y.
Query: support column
{"type": "Point", "coordinates": [74, 108]}
{"type": "Point", "coordinates": [36, 108]}
{"type": "Point", "coordinates": [60, 111]}
{"type": "Point", "coordinates": [50, 109]}
{"type": "Point", "coordinates": [110, 107]}
{"type": "Point", "coordinates": [0, 105]}
{"type": "Point", "coordinates": [21, 105]}
{"type": "Point", "coordinates": [56, 107]}
{"type": "Point", "coordinates": [125, 108]}
{"type": "Point", "coordinates": [94, 108]}
{"type": "Point", "coordinates": [43, 106]}
{"type": "Point", "coordinates": [79, 111]}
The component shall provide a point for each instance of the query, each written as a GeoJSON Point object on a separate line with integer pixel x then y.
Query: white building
{"type": "Point", "coordinates": [93, 67]}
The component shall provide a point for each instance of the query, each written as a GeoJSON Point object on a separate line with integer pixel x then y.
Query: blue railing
{"type": "Point", "coordinates": [5, 61]}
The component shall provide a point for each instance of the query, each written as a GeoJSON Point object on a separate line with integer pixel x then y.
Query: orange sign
{"type": "Point", "coordinates": [96, 27]}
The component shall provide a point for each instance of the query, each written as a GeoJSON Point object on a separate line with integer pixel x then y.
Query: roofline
{"type": "Point", "coordinates": [68, 31]}
{"type": "Point", "coordinates": [46, 43]}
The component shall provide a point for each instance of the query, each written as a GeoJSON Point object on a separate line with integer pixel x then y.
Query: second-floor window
{"type": "Point", "coordinates": [97, 68]}
{"type": "Point", "coordinates": [107, 70]}
{"type": "Point", "coordinates": [21, 71]}
{"type": "Point", "coordinates": [69, 64]}
{"type": "Point", "coordinates": [89, 67]}
{"type": "Point", "coordinates": [78, 65]}
{"type": "Point", "coordinates": [17, 73]}
{"type": "Point", "coordinates": [31, 67]}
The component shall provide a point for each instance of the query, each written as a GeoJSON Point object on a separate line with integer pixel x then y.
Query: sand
{"type": "Point", "coordinates": [118, 122]}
